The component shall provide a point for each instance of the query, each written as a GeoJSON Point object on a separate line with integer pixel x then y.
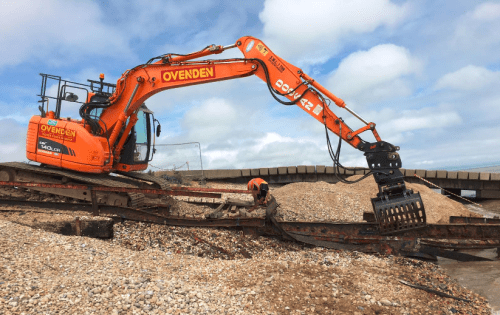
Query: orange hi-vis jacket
{"type": "Point", "coordinates": [256, 182]}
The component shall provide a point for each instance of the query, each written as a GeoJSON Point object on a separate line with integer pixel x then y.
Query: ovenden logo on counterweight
{"type": "Point", "coordinates": [204, 72]}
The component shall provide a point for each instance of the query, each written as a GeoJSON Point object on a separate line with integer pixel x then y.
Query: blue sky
{"type": "Point", "coordinates": [427, 72]}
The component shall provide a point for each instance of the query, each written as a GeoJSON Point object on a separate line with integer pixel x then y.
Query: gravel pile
{"type": "Point", "coordinates": [321, 201]}
{"type": "Point", "coordinates": [46, 273]}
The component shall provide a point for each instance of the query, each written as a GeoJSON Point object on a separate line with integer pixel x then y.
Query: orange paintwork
{"type": "Point", "coordinates": [66, 144]}
{"type": "Point", "coordinates": [89, 96]}
{"type": "Point", "coordinates": [365, 128]}
{"type": "Point", "coordinates": [138, 84]}
{"type": "Point", "coordinates": [32, 136]}
{"type": "Point", "coordinates": [130, 168]}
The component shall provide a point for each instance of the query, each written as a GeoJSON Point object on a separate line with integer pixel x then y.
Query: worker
{"type": "Point", "coordinates": [260, 190]}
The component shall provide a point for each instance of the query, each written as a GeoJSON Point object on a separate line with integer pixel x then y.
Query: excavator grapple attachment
{"type": "Point", "coordinates": [396, 208]}
{"type": "Point", "coordinates": [399, 213]}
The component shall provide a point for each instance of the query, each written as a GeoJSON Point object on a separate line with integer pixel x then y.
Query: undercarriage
{"type": "Point", "coordinates": [27, 173]}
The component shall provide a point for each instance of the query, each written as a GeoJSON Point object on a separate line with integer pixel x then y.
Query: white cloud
{"type": "Point", "coordinates": [374, 75]}
{"type": "Point", "coordinates": [17, 117]}
{"type": "Point", "coordinates": [477, 35]}
{"type": "Point", "coordinates": [487, 11]}
{"type": "Point", "coordinates": [220, 158]}
{"type": "Point", "coordinates": [21, 115]}
{"type": "Point", "coordinates": [465, 147]}
{"type": "Point", "coordinates": [427, 118]}
{"type": "Point", "coordinates": [271, 138]}
{"type": "Point", "coordinates": [214, 119]}
{"type": "Point", "coordinates": [13, 140]}
{"type": "Point", "coordinates": [55, 31]}
{"type": "Point", "coordinates": [405, 127]}
{"type": "Point", "coordinates": [275, 149]}
{"type": "Point", "coordinates": [316, 29]}
{"type": "Point", "coordinates": [468, 78]}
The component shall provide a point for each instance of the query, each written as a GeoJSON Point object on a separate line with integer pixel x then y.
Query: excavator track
{"type": "Point", "coordinates": [18, 171]}
{"type": "Point", "coordinates": [162, 183]}
{"type": "Point", "coordinates": [136, 199]}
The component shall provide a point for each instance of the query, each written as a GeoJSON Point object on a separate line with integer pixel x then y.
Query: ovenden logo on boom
{"type": "Point", "coordinates": [188, 74]}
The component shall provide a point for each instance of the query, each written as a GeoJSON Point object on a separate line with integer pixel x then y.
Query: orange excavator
{"type": "Point", "coordinates": [116, 130]}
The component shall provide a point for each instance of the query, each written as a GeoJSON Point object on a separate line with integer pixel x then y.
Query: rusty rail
{"type": "Point", "coordinates": [218, 190]}
{"type": "Point", "coordinates": [136, 214]}
{"type": "Point", "coordinates": [179, 191]}
{"type": "Point", "coordinates": [363, 237]}
{"type": "Point", "coordinates": [454, 219]}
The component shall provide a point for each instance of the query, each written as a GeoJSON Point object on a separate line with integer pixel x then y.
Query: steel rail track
{"type": "Point", "coordinates": [363, 237]}
{"type": "Point", "coordinates": [121, 183]}
{"type": "Point", "coordinates": [92, 188]}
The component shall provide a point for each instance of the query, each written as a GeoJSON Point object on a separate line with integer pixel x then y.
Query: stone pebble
{"type": "Point", "coordinates": [46, 273]}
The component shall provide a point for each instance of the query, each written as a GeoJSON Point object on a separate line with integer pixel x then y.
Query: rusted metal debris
{"type": "Point", "coordinates": [454, 219]}
{"type": "Point", "coordinates": [366, 237]}
{"type": "Point", "coordinates": [218, 190]}
{"type": "Point", "coordinates": [146, 215]}
{"type": "Point", "coordinates": [220, 249]}
{"type": "Point", "coordinates": [363, 237]}
{"type": "Point", "coordinates": [173, 191]}
{"type": "Point", "coordinates": [430, 290]}
{"type": "Point", "coordinates": [101, 227]}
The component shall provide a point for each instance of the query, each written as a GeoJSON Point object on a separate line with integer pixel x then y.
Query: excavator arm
{"type": "Point", "coordinates": [284, 80]}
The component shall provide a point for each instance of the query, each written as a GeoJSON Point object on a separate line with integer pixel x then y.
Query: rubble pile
{"type": "Point", "coordinates": [321, 201]}
{"type": "Point", "coordinates": [211, 243]}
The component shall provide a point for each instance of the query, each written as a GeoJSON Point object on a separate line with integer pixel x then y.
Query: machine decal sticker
{"type": "Point", "coordinates": [263, 50]}
{"type": "Point", "coordinates": [303, 101]}
{"type": "Point", "coordinates": [317, 109]}
{"type": "Point", "coordinates": [276, 63]}
{"type": "Point", "coordinates": [57, 133]}
{"type": "Point", "coordinates": [48, 146]}
{"type": "Point", "coordinates": [287, 89]}
{"type": "Point", "coordinates": [250, 46]}
{"type": "Point", "coordinates": [52, 122]}
{"type": "Point", "coordinates": [204, 72]}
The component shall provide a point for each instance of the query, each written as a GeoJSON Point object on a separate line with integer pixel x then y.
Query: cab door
{"type": "Point", "coordinates": [137, 148]}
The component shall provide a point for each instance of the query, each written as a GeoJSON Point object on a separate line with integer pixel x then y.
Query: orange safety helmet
{"type": "Point", "coordinates": [254, 184]}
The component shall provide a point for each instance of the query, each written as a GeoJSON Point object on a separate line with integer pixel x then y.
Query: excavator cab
{"type": "Point", "coordinates": [139, 146]}
{"type": "Point", "coordinates": [58, 140]}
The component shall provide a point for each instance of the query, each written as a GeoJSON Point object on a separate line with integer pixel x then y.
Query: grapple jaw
{"type": "Point", "coordinates": [396, 208]}
{"type": "Point", "coordinates": [399, 212]}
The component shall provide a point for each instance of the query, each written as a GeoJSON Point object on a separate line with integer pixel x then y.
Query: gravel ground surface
{"type": "Point", "coordinates": [149, 269]}
{"type": "Point", "coordinates": [156, 269]}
